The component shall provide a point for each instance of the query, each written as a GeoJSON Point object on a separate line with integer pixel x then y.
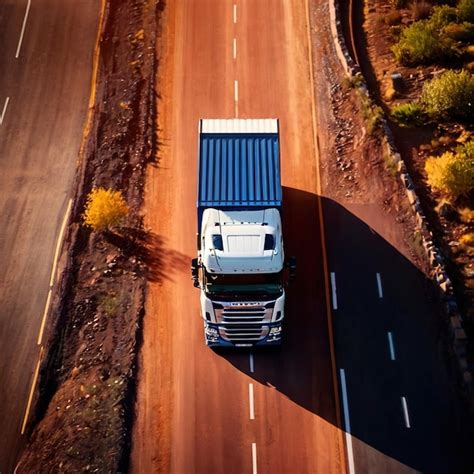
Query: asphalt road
{"type": "Point", "coordinates": [400, 396]}
{"type": "Point", "coordinates": [197, 410]}
{"type": "Point", "coordinates": [201, 411]}
{"type": "Point", "coordinates": [46, 49]}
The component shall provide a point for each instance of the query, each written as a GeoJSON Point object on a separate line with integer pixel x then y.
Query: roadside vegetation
{"type": "Point", "coordinates": [105, 209]}
{"type": "Point", "coordinates": [422, 52]}
{"type": "Point", "coordinates": [452, 173]}
{"type": "Point", "coordinates": [441, 35]}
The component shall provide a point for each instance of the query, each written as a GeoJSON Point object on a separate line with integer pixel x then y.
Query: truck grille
{"type": "Point", "coordinates": [253, 315]}
{"type": "Point", "coordinates": [243, 324]}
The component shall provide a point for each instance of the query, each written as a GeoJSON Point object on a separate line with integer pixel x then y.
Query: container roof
{"type": "Point", "coordinates": [239, 163]}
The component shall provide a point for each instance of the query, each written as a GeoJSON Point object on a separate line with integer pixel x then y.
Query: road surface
{"type": "Point", "coordinates": [46, 49]}
{"type": "Point", "coordinates": [201, 411]}
{"type": "Point", "coordinates": [197, 410]}
{"type": "Point", "coordinates": [400, 397]}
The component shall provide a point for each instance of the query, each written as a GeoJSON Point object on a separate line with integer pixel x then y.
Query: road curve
{"type": "Point", "coordinates": [46, 61]}
{"type": "Point", "coordinates": [197, 410]}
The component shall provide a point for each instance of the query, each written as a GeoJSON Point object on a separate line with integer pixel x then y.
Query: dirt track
{"type": "Point", "coordinates": [193, 404]}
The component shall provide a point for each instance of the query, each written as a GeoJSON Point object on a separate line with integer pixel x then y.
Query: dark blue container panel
{"type": "Point", "coordinates": [239, 170]}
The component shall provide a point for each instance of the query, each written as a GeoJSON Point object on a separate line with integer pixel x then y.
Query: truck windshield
{"type": "Point", "coordinates": [267, 284]}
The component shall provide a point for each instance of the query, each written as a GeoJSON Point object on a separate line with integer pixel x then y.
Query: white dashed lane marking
{"type": "Point", "coordinates": [254, 458]}
{"type": "Point", "coordinates": [7, 100]}
{"type": "Point", "coordinates": [405, 412]}
{"type": "Point", "coordinates": [391, 346]}
{"type": "Point", "coordinates": [251, 402]}
{"type": "Point", "coordinates": [236, 98]}
{"type": "Point", "coordinates": [334, 290]}
{"type": "Point", "coordinates": [25, 19]}
{"type": "Point", "coordinates": [379, 285]}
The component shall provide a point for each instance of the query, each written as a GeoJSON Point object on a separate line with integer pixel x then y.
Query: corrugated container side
{"type": "Point", "coordinates": [239, 170]}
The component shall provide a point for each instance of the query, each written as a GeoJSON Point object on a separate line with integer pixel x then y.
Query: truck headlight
{"type": "Point", "coordinates": [275, 330]}
{"type": "Point", "coordinates": [210, 331]}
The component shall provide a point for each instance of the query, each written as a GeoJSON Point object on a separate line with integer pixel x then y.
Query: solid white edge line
{"type": "Point", "coordinates": [235, 13]}
{"type": "Point", "coordinates": [234, 47]}
{"type": "Point", "coordinates": [333, 288]}
{"type": "Point", "coordinates": [45, 315]}
{"type": "Point", "coordinates": [236, 90]}
{"type": "Point", "coordinates": [347, 422]}
{"type": "Point", "coordinates": [32, 390]}
{"type": "Point", "coordinates": [254, 458]}
{"type": "Point", "coordinates": [59, 242]}
{"type": "Point", "coordinates": [251, 404]}
{"type": "Point", "coordinates": [379, 285]}
{"type": "Point", "coordinates": [405, 412]}
{"type": "Point", "coordinates": [392, 347]}
{"type": "Point", "coordinates": [17, 55]}
{"type": "Point", "coordinates": [7, 100]}
{"type": "Point", "coordinates": [252, 363]}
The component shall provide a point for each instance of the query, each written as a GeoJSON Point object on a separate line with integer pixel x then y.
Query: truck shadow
{"type": "Point", "coordinates": [302, 369]}
{"type": "Point", "coordinates": [162, 261]}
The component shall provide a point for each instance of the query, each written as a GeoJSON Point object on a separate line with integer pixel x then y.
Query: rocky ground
{"type": "Point", "coordinates": [354, 166]}
{"type": "Point", "coordinates": [81, 417]}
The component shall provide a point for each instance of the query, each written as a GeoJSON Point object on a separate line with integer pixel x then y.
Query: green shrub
{"type": "Point", "coordinates": [453, 173]}
{"type": "Point", "coordinates": [466, 150]}
{"type": "Point", "coordinates": [451, 94]}
{"type": "Point", "coordinates": [466, 10]}
{"type": "Point", "coordinates": [443, 15]}
{"type": "Point", "coordinates": [409, 115]}
{"type": "Point", "coordinates": [421, 43]}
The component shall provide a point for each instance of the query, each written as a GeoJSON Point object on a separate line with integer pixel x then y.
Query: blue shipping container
{"type": "Point", "coordinates": [239, 169]}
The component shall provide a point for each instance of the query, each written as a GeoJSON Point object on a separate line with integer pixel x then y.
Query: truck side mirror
{"type": "Point", "coordinates": [195, 272]}
{"type": "Point", "coordinates": [292, 268]}
{"type": "Point", "coordinates": [198, 241]}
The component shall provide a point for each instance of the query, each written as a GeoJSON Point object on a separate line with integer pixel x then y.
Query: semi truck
{"type": "Point", "coordinates": [240, 264]}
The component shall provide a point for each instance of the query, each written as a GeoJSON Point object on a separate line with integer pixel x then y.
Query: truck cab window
{"type": "Point", "coordinates": [217, 242]}
{"type": "Point", "coordinates": [269, 242]}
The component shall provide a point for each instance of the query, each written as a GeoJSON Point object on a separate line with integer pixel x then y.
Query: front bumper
{"type": "Point", "coordinates": [214, 338]}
